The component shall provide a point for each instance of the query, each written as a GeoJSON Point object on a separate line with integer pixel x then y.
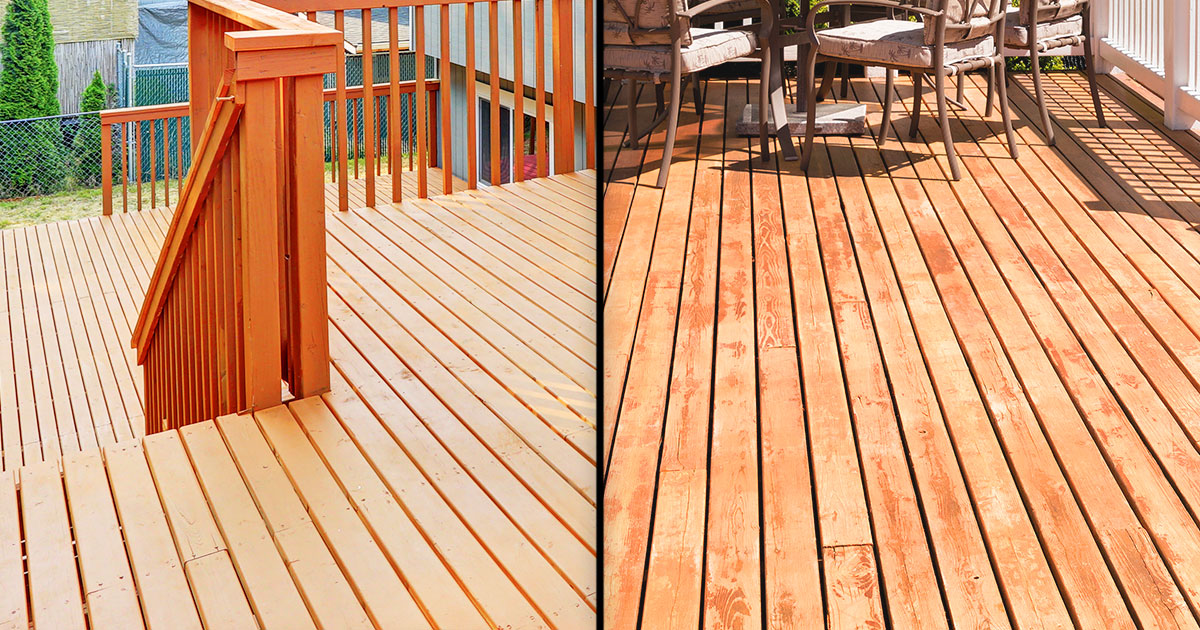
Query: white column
{"type": "Point", "coordinates": [1177, 60]}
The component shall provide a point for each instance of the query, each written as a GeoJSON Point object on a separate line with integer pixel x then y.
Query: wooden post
{"type": "Point", "coordinates": [368, 85]}
{"type": "Point", "coordinates": [260, 140]}
{"type": "Point", "coordinates": [418, 25]}
{"type": "Point", "coordinates": [564, 86]}
{"type": "Point", "coordinates": [106, 164]}
{"type": "Point", "coordinates": [309, 335]}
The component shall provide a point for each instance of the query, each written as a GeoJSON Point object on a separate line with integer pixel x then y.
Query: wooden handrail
{"type": "Point", "coordinates": [145, 112]}
{"type": "Point", "coordinates": [236, 306]}
{"type": "Point", "coordinates": [214, 139]}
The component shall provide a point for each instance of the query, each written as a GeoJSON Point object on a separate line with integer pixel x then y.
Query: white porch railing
{"type": "Point", "coordinates": [1155, 41]}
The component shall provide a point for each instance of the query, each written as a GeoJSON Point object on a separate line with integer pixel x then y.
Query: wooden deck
{"type": "Point", "coordinates": [874, 397]}
{"type": "Point", "coordinates": [447, 480]}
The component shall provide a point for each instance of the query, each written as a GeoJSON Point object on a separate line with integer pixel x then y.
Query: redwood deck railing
{"type": "Point", "coordinates": [360, 113]}
{"type": "Point", "coordinates": [235, 313]}
{"type": "Point", "coordinates": [236, 306]}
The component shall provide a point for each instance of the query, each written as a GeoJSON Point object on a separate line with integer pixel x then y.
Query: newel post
{"type": "Point", "coordinates": [282, 240]}
{"type": "Point", "coordinates": [1177, 60]}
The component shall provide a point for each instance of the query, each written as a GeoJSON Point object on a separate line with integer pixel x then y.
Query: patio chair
{"type": "Point", "coordinates": [1055, 24]}
{"type": "Point", "coordinates": [954, 36]}
{"type": "Point", "coordinates": [648, 40]}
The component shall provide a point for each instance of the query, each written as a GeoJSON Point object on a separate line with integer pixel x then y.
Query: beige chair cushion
{"type": "Point", "coordinates": [1017, 35]}
{"type": "Point", "coordinates": [897, 42]}
{"type": "Point", "coordinates": [709, 47]}
{"type": "Point", "coordinates": [651, 21]}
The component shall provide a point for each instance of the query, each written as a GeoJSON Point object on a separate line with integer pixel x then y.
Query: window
{"type": "Point", "coordinates": [485, 144]}
{"type": "Point", "coordinates": [522, 153]}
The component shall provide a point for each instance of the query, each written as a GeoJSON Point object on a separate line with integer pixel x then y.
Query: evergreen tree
{"type": "Point", "coordinates": [86, 147]}
{"type": "Point", "coordinates": [30, 152]}
{"type": "Point", "coordinates": [29, 76]}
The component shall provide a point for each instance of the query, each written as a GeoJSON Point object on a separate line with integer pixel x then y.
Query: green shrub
{"type": "Point", "coordinates": [86, 148]}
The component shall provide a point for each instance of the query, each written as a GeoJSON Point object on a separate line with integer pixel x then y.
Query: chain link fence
{"type": "Point", "coordinates": [42, 156]}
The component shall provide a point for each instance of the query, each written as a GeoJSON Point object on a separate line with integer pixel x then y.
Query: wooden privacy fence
{"type": "Point", "coordinates": [530, 51]}
{"type": "Point", "coordinates": [235, 311]}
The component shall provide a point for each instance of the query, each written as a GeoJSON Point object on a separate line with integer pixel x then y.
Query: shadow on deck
{"type": "Point", "coordinates": [873, 396]}
{"type": "Point", "coordinates": [447, 480]}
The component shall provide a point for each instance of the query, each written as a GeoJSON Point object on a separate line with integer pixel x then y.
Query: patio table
{"type": "Point", "coordinates": [832, 118]}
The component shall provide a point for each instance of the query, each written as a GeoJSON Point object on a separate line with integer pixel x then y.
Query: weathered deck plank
{"type": "Point", "coordinates": [999, 375]}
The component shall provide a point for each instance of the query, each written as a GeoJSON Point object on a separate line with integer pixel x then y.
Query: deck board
{"type": "Point", "coordinates": [970, 403]}
{"type": "Point", "coordinates": [447, 480]}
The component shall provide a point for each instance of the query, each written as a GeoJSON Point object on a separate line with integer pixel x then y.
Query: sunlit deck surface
{"type": "Point", "coordinates": [874, 397]}
{"type": "Point", "coordinates": [447, 480]}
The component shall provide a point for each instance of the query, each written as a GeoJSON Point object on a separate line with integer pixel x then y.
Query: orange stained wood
{"type": "Point", "coordinates": [447, 479]}
{"type": "Point", "coordinates": [872, 397]}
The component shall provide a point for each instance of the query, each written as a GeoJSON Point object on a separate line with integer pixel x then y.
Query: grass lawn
{"type": "Point", "coordinates": [78, 204]}
{"type": "Point", "coordinates": [64, 206]}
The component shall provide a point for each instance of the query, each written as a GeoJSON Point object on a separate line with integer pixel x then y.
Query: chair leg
{"type": "Point", "coordinates": [944, 119]}
{"type": "Point", "coordinates": [889, 86]}
{"type": "Point", "coordinates": [845, 93]}
{"type": "Point", "coordinates": [991, 91]}
{"type": "Point", "coordinates": [1005, 113]}
{"type": "Point", "coordinates": [659, 100]}
{"type": "Point", "coordinates": [783, 132]}
{"type": "Point", "coordinates": [1035, 68]}
{"type": "Point", "coordinates": [764, 102]}
{"type": "Point", "coordinates": [958, 87]}
{"type": "Point", "coordinates": [918, 87]}
{"type": "Point", "coordinates": [672, 117]}
{"type": "Point", "coordinates": [631, 96]}
{"type": "Point", "coordinates": [810, 125]}
{"type": "Point", "coordinates": [1089, 62]}
{"type": "Point", "coordinates": [827, 80]}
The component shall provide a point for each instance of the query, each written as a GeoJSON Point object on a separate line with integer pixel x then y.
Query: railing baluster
{"type": "Point", "coordinates": [472, 106]}
{"type": "Point", "coordinates": [137, 142]}
{"type": "Point", "coordinates": [153, 168]}
{"type": "Point", "coordinates": [518, 125]}
{"type": "Point", "coordinates": [394, 124]}
{"type": "Point", "coordinates": [339, 108]}
{"type": "Point", "coordinates": [124, 168]}
{"type": "Point", "coordinates": [422, 175]}
{"type": "Point", "coordinates": [564, 86]}
{"type": "Point", "coordinates": [589, 83]}
{"type": "Point", "coordinates": [446, 125]}
{"type": "Point", "coordinates": [178, 156]}
{"type": "Point", "coordinates": [543, 151]}
{"type": "Point", "coordinates": [368, 114]}
{"type": "Point", "coordinates": [497, 177]}
{"type": "Point", "coordinates": [166, 146]}
{"type": "Point", "coordinates": [105, 164]}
